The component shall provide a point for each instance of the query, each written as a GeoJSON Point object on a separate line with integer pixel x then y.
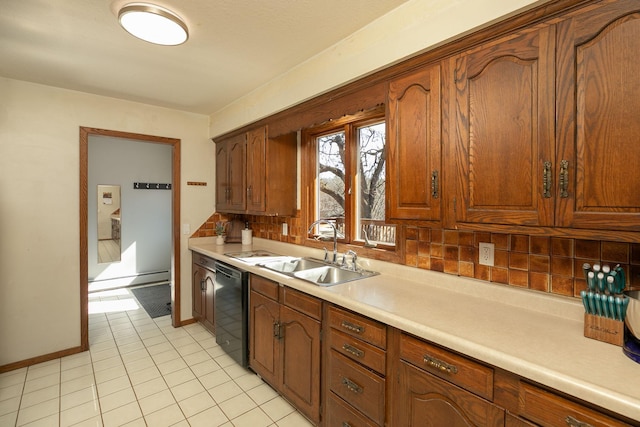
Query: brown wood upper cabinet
{"type": "Point", "coordinates": [503, 146]}
{"type": "Point", "coordinates": [544, 130]}
{"type": "Point", "coordinates": [231, 175]}
{"type": "Point", "coordinates": [260, 177]}
{"type": "Point", "coordinates": [598, 126]}
{"type": "Point", "coordinates": [414, 146]}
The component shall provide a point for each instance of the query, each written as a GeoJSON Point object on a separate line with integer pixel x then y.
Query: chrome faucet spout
{"type": "Point", "coordinates": [335, 235]}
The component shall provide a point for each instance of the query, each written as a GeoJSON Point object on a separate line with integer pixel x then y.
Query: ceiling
{"type": "Point", "coordinates": [234, 47]}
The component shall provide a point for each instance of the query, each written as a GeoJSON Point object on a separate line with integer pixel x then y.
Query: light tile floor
{"type": "Point", "coordinates": [141, 372]}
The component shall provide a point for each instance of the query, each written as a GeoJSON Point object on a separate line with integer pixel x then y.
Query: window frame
{"type": "Point", "coordinates": [350, 125]}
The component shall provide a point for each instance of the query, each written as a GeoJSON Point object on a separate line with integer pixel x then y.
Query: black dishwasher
{"type": "Point", "coordinates": [231, 299]}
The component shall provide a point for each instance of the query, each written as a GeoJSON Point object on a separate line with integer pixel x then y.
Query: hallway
{"type": "Point", "coordinates": [141, 372]}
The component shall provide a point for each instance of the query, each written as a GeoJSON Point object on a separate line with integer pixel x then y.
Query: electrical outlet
{"type": "Point", "coordinates": [285, 229]}
{"type": "Point", "coordinates": [186, 229]}
{"type": "Point", "coordinates": [486, 254]}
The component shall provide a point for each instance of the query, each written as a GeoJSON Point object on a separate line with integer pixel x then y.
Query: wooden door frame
{"type": "Point", "coordinates": [85, 132]}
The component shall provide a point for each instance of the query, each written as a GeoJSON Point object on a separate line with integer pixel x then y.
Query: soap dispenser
{"type": "Point", "coordinates": [246, 234]}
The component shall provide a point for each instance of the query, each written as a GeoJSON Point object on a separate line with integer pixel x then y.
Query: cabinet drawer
{"type": "Point", "coordinates": [358, 350]}
{"type": "Point", "coordinates": [302, 302]}
{"type": "Point", "coordinates": [266, 287]}
{"type": "Point", "coordinates": [358, 326]}
{"type": "Point", "coordinates": [361, 388]}
{"type": "Point", "coordinates": [548, 409]}
{"type": "Point", "coordinates": [454, 368]}
{"type": "Point", "coordinates": [339, 414]}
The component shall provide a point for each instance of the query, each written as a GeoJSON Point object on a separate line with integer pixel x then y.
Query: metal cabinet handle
{"type": "Point", "coordinates": [564, 178]}
{"type": "Point", "coordinates": [434, 184]}
{"type": "Point", "coordinates": [352, 327]}
{"type": "Point", "coordinates": [352, 350]}
{"type": "Point", "coordinates": [440, 365]}
{"type": "Point", "coordinates": [351, 385]}
{"type": "Point", "coordinates": [546, 180]}
{"type": "Point", "coordinates": [276, 329]}
{"type": "Point", "coordinates": [572, 422]}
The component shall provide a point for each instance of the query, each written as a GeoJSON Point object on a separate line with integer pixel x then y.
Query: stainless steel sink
{"type": "Point", "coordinates": [296, 264]}
{"type": "Point", "coordinates": [316, 271]}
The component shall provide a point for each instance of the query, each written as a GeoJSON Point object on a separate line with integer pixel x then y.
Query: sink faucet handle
{"type": "Point", "coordinates": [344, 261]}
{"type": "Point", "coordinates": [354, 259]}
{"type": "Point", "coordinates": [326, 254]}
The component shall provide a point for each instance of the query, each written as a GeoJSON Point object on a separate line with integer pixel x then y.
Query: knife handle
{"type": "Point", "coordinates": [598, 303]}
{"type": "Point", "coordinates": [612, 308]}
{"type": "Point", "coordinates": [592, 304]}
{"type": "Point", "coordinates": [585, 302]}
{"type": "Point", "coordinates": [600, 277]}
{"type": "Point", "coordinates": [591, 281]}
{"type": "Point", "coordinates": [620, 278]}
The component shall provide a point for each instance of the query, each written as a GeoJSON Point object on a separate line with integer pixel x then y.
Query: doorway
{"type": "Point", "coordinates": [85, 133]}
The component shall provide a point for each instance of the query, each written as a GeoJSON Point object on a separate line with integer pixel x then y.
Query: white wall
{"type": "Point", "coordinates": [39, 205]}
{"type": "Point", "coordinates": [414, 27]}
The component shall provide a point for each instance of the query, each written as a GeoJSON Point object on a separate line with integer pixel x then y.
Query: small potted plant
{"type": "Point", "coordinates": [221, 228]}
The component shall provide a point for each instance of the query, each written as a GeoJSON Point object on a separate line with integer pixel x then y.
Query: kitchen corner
{"type": "Point", "coordinates": [536, 336]}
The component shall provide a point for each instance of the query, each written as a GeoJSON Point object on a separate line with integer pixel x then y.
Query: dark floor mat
{"type": "Point", "coordinates": [156, 300]}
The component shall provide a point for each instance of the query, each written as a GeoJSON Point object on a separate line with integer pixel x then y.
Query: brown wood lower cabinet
{"type": "Point", "coordinates": [548, 409]}
{"type": "Point", "coordinates": [202, 288]}
{"type": "Point", "coordinates": [425, 400]}
{"type": "Point", "coordinates": [511, 420]}
{"type": "Point", "coordinates": [354, 370]}
{"type": "Point", "coordinates": [435, 386]}
{"type": "Point", "coordinates": [284, 342]}
{"type": "Point", "coordinates": [375, 375]}
{"type": "Point", "coordinates": [341, 414]}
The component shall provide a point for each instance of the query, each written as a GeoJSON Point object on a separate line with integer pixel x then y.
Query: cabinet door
{"type": "Point", "coordinates": [222, 176]}
{"type": "Point", "coordinates": [264, 347]}
{"type": "Point", "coordinates": [414, 146]}
{"type": "Point", "coordinates": [504, 131]}
{"type": "Point", "coordinates": [301, 361]}
{"type": "Point", "coordinates": [598, 126]}
{"type": "Point", "coordinates": [425, 400]}
{"type": "Point", "coordinates": [237, 174]}
{"type": "Point", "coordinates": [198, 281]}
{"type": "Point", "coordinates": [256, 140]}
{"type": "Point", "coordinates": [207, 303]}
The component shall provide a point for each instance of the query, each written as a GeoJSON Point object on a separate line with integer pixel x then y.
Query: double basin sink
{"type": "Point", "coordinates": [315, 271]}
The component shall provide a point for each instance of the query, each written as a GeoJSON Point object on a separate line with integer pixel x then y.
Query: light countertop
{"type": "Point", "coordinates": [535, 335]}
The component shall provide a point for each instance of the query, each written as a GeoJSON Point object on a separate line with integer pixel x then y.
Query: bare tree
{"type": "Point", "coordinates": [372, 173]}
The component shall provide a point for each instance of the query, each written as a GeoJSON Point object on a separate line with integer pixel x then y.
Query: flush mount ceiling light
{"type": "Point", "coordinates": [153, 24]}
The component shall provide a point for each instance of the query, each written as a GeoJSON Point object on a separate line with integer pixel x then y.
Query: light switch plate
{"type": "Point", "coordinates": [486, 254]}
{"type": "Point", "coordinates": [186, 229]}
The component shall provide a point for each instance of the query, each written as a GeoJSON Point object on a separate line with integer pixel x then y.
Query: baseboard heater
{"type": "Point", "coordinates": [133, 280]}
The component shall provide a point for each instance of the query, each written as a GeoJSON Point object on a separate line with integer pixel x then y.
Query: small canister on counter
{"type": "Point", "coordinates": [247, 234]}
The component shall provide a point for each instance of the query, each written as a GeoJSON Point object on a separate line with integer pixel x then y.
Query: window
{"type": "Point", "coordinates": [348, 163]}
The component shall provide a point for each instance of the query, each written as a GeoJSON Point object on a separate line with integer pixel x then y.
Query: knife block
{"type": "Point", "coordinates": [604, 329]}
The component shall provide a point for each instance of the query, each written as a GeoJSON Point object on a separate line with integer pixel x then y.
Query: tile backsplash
{"type": "Point", "coordinates": [546, 264]}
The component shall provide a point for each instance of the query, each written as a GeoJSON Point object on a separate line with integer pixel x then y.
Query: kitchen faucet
{"type": "Point", "coordinates": [335, 236]}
